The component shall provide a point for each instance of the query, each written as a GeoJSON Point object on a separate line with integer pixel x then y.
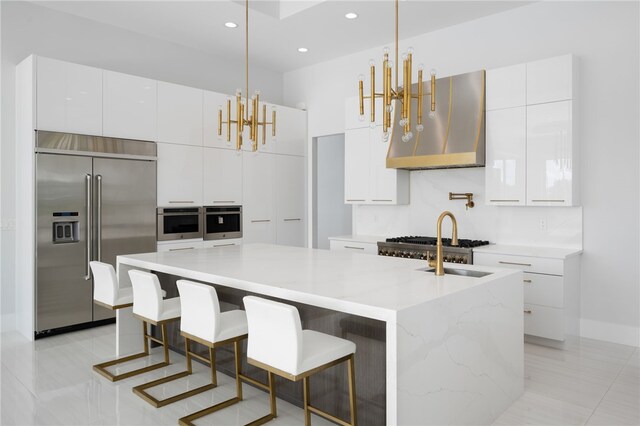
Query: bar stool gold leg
{"type": "Point", "coordinates": [307, 400]}
{"type": "Point", "coordinates": [352, 390]}
{"type": "Point", "coordinates": [236, 349]}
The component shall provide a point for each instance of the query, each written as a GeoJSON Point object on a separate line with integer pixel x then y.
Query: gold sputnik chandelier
{"type": "Point", "coordinates": [403, 94]}
{"type": "Point", "coordinates": [243, 118]}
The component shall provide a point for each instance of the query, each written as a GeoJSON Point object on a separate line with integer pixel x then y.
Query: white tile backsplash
{"type": "Point", "coordinates": [504, 225]}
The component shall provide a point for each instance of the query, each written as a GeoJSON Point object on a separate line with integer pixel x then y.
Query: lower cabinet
{"type": "Point", "coordinates": [353, 246]}
{"type": "Point", "coordinates": [551, 291]}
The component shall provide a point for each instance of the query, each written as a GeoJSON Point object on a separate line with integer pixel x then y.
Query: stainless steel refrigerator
{"type": "Point", "coordinates": [95, 199]}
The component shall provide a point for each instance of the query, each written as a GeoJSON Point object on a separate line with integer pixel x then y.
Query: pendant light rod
{"type": "Point", "coordinates": [396, 64]}
{"type": "Point", "coordinates": [246, 56]}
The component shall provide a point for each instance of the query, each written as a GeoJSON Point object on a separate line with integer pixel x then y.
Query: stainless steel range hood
{"type": "Point", "coordinates": [454, 137]}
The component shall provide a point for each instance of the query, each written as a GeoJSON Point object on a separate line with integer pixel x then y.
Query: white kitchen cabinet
{"type": "Point", "coordinates": [290, 188]}
{"type": "Point", "coordinates": [222, 243]}
{"type": "Point", "coordinates": [180, 175]}
{"type": "Point", "coordinates": [69, 97]}
{"type": "Point", "coordinates": [353, 120]}
{"type": "Point", "coordinates": [212, 102]}
{"type": "Point", "coordinates": [222, 171]}
{"type": "Point", "coordinates": [164, 246]}
{"type": "Point", "coordinates": [505, 169]}
{"type": "Point", "coordinates": [551, 286]}
{"type": "Point", "coordinates": [367, 178]}
{"type": "Point", "coordinates": [259, 210]}
{"type": "Point", "coordinates": [353, 246]}
{"type": "Point", "coordinates": [291, 126]}
{"type": "Point", "coordinates": [506, 87]}
{"type": "Point", "coordinates": [129, 106]}
{"type": "Point", "coordinates": [179, 114]}
{"type": "Point", "coordinates": [550, 156]}
{"type": "Point", "coordinates": [552, 79]}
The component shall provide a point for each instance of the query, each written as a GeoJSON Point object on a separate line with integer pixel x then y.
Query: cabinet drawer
{"type": "Point", "coordinates": [222, 243]}
{"type": "Point", "coordinates": [544, 321]}
{"type": "Point", "coordinates": [547, 290]}
{"type": "Point", "coordinates": [523, 263]}
{"type": "Point", "coordinates": [353, 246]}
{"type": "Point", "coordinates": [181, 246]}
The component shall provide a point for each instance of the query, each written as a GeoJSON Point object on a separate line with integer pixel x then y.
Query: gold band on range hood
{"type": "Point", "coordinates": [454, 140]}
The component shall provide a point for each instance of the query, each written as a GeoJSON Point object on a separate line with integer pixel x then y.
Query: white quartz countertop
{"type": "Point", "coordinates": [546, 252]}
{"type": "Point", "coordinates": [371, 286]}
{"type": "Point", "coordinates": [372, 239]}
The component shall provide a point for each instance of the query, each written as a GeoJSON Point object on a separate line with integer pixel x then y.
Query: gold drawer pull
{"type": "Point", "coordinates": [514, 263]}
{"type": "Point", "coordinates": [355, 248]}
{"type": "Point", "coordinates": [527, 311]}
{"type": "Point", "coordinates": [527, 281]}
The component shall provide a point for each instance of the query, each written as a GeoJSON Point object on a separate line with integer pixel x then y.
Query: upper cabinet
{"type": "Point", "coordinates": [506, 87]}
{"type": "Point", "coordinates": [291, 130]}
{"type": "Point", "coordinates": [69, 97]}
{"type": "Point", "coordinates": [222, 176]}
{"type": "Point", "coordinates": [179, 175]}
{"type": "Point", "coordinates": [179, 114]}
{"type": "Point", "coordinates": [532, 149]}
{"type": "Point", "coordinates": [129, 106]}
{"type": "Point", "coordinates": [552, 80]}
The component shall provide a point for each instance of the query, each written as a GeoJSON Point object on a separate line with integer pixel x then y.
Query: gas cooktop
{"type": "Point", "coordinates": [431, 241]}
{"type": "Point", "coordinates": [417, 247]}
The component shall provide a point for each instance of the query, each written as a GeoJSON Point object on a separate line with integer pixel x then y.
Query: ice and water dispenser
{"type": "Point", "coordinates": [65, 227]}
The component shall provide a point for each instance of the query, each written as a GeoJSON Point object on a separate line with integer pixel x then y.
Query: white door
{"type": "Point", "coordinates": [505, 169]}
{"type": "Point", "coordinates": [179, 114]}
{"type": "Point", "coordinates": [290, 200]}
{"type": "Point", "coordinates": [549, 154]}
{"type": "Point", "coordinates": [383, 183]}
{"type": "Point", "coordinates": [258, 212]}
{"type": "Point", "coordinates": [129, 106]}
{"type": "Point", "coordinates": [356, 165]}
{"type": "Point", "coordinates": [179, 175]}
{"type": "Point", "coordinates": [550, 80]}
{"type": "Point", "coordinates": [69, 97]}
{"type": "Point", "coordinates": [222, 172]}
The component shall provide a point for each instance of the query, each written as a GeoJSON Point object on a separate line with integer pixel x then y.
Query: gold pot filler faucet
{"type": "Point", "coordinates": [437, 263]}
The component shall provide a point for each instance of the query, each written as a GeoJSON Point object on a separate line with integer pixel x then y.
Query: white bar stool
{"type": "Point", "coordinates": [149, 307]}
{"type": "Point", "coordinates": [278, 344]}
{"type": "Point", "coordinates": [107, 293]}
{"type": "Point", "coordinates": [203, 323]}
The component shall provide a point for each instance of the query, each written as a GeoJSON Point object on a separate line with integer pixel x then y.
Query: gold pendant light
{"type": "Point", "coordinates": [403, 93]}
{"type": "Point", "coordinates": [242, 107]}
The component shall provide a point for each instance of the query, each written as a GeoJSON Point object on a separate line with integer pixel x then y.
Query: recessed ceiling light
{"type": "Point", "coordinates": [303, 49]}
{"type": "Point", "coordinates": [351, 15]}
{"type": "Point", "coordinates": [230, 24]}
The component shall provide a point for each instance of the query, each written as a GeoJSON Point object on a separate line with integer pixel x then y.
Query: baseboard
{"type": "Point", "coordinates": [610, 332]}
{"type": "Point", "coordinates": [7, 322]}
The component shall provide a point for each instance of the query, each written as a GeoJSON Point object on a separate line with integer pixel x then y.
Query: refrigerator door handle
{"type": "Point", "coordinates": [99, 219]}
{"type": "Point", "coordinates": [87, 275]}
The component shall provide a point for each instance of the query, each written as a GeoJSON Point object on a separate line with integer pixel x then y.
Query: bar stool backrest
{"type": "Point", "coordinates": [105, 283]}
{"type": "Point", "coordinates": [275, 333]}
{"type": "Point", "coordinates": [200, 310]}
{"type": "Point", "coordinates": [147, 295]}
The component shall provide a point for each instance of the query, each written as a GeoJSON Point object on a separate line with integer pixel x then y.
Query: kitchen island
{"type": "Point", "coordinates": [453, 345]}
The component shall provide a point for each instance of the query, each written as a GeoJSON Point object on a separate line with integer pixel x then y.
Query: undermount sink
{"type": "Point", "coordinates": [461, 272]}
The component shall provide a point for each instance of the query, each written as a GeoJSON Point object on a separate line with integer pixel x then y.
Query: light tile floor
{"type": "Point", "coordinates": [50, 382]}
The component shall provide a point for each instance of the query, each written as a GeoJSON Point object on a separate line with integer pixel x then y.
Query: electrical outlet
{"type": "Point", "coordinates": [543, 225]}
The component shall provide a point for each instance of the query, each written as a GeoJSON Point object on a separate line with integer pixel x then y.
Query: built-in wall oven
{"type": "Point", "coordinates": [222, 222]}
{"type": "Point", "coordinates": [179, 223]}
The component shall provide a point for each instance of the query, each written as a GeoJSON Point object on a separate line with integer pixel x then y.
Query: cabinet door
{"type": "Point", "coordinates": [129, 106]}
{"type": "Point", "coordinates": [291, 131]}
{"type": "Point", "coordinates": [506, 87]}
{"type": "Point", "coordinates": [549, 154]}
{"type": "Point", "coordinates": [179, 114]}
{"type": "Point", "coordinates": [211, 105]}
{"type": "Point", "coordinates": [258, 213]}
{"type": "Point", "coordinates": [505, 169]}
{"type": "Point", "coordinates": [356, 165]}
{"type": "Point", "coordinates": [179, 175]}
{"type": "Point", "coordinates": [69, 97]}
{"type": "Point", "coordinates": [290, 191]}
{"type": "Point", "coordinates": [383, 182]}
{"type": "Point", "coordinates": [550, 80]}
{"type": "Point", "coordinates": [222, 176]}
{"type": "Point", "coordinates": [352, 118]}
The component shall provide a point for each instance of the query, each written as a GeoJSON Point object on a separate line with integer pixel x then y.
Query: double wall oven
{"type": "Point", "coordinates": [208, 223]}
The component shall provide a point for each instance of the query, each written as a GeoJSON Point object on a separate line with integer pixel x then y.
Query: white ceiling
{"type": "Point", "coordinates": [278, 30]}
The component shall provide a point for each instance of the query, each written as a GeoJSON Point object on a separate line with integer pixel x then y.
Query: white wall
{"type": "Point", "coordinates": [27, 28]}
{"type": "Point", "coordinates": [605, 37]}
{"type": "Point", "coordinates": [332, 217]}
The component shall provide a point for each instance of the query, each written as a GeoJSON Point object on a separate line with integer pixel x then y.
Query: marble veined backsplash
{"type": "Point", "coordinates": [535, 226]}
